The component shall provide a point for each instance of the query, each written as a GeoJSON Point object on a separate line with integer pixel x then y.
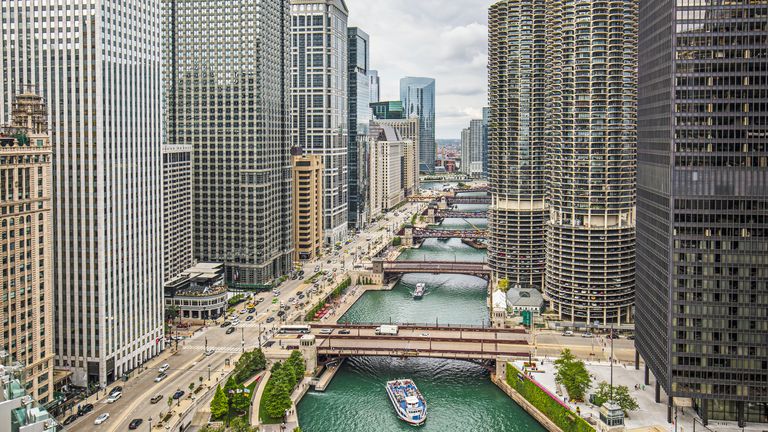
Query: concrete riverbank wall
{"type": "Point", "coordinates": [524, 404]}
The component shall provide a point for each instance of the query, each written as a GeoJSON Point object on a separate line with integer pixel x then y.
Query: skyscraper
{"type": "Point", "coordinates": [98, 65]}
{"type": "Point", "coordinates": [475, 149]}
{"type": "Point", "coordinates": [388, 110]}
{"type": "Point", "coordinates": [591, 92]}
{"type": "Point", "coordinates": [228, 89]}
{"type": "Point", "coordinates": [702, 213]}
{"type": "Point", "coordinates": [358, 97]}
{"type": "Point", "coordinates": [375, 85]}
{"type": "Point", "coordinates": [307, 207]}
{"type": "Point", "coordinates": [517, 170]}
{"type": "Point", "coordinates": [486, 122]}
{"type": "Point", "coordinates": [319, 100]}
{"type": "Point", "coordinates": [466, 152]}
{"type": "Point", "coordinates": [26, 227]}
{"type": "Point", "coordinates": [418, 97]}
{"type": "Point", "coordinates": [177, 210]}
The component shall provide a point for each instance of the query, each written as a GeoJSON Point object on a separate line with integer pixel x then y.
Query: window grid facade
{"type": "Point", "coordinates": [703, 204]}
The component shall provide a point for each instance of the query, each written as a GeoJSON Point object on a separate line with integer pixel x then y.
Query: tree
{"type": "Point", "coordinates": [573, 375]}
{"type": "Point", "coordinates": [191, 388]}
{"type": "Point", "coordinates": [201, 380]}
{"type": "Point", "coordinates": [219, 404]}
{"type": "Point", "coordinates": [621, 396]}
{"type": "Point", "coordinates": [170, 402]}
{"type": "Point", "coordinates": [297, 362]}
{"type": "Point", "coordinates": [171, 312]}
{"type": "Point", "coordinates": [504, 284]}
{"type": "Point", "coordinates": [278, 402]}
{"type": "Point", "coordinates": [208, 428]}
{"type": "Point", "coordinates": [240, 424]}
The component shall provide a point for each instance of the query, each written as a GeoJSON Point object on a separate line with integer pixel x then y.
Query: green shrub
{"type": "Point", "coordinates": [564, 418]}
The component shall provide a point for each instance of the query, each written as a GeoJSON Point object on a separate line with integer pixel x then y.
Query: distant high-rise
{"type": "Point", "coordinates": [466, 152]}
{"type": "Point", "coordinates": [474, 157]}
{"type": "Point", "coordinates": [486, 122]}
{"type": "Point", "coordinates": [591, 91]}
{"type": "Point", "coordinates": [307, 207]}
{"type": "Point", "coordinates": [393, 162]}
{"type": "Point", "coordinates": [388, 110]}
{"type": "Point", "coordinates": [227, 87]}
{"type": "Point", "coordinates": [177, 210]}
{"type": "Point", "coordinates": [702, 211]}
{"type": "Point", "coordinates": [407, 129]}
{"type": "Point", "coordinates": [358, 98]}
{"type": "Point", "coordinates": [26, 228]}
{"type": "Point", "coordinates": [418, 97]}
{"type": "Point", "coordinates": [374, 85]}
{"type": "Point", "coordinates": [319, 100]}
{"type": "Point", "coordinates": [517, 170]}
{"type": "Point", "coordinates": [98, 63]}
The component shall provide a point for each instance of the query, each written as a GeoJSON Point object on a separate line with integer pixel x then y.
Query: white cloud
{"type": "Point", "coordinates": [443, 39]}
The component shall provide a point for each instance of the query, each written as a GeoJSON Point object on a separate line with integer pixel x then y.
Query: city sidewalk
{"type": "Point", "coordinates": [649, 415]}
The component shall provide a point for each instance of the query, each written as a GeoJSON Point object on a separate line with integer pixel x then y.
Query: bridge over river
{"type": "Point", "coordinates": [472, 268]}
{"type": "Point", "coordinates": [421, 340]}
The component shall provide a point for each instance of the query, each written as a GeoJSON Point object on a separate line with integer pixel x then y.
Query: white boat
{"type": "Point", "coordinates": [408, 402]}
{"type": "Point", "coordinates": [419, 292]}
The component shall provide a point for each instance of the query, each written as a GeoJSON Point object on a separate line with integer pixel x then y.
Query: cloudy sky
{"type": "Point", "coordinates": [443, 39]}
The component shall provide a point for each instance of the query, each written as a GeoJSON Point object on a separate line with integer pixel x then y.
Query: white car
{"type": "Point", "coordinates": [101, 418]}
{"type": "Point", "coordinates": [164, 367]}
{"type": "Point", "coordinates": [161, 377]}
{"type": "Point", "coordinates": [114, 397]}
{"type": "Point", "coordinates": [209, 353]}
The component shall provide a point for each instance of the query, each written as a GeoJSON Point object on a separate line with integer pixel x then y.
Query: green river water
{"type": "Point", "coordinates": [459, 394]}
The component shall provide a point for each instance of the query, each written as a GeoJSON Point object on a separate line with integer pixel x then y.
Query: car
{"type": "Point", "coordinates": [101, 419]}
{"type": "Point", "coordinates": [298, 293]}
{"type": "Point", "coordinates": [251, 310]}
{"type": "Point", "coordinates": [226, 324]}
{"type": "Point", "coordinates": [328, 262]}
{"type": "Point", "coordinates": [425, 334]}
{"type": "Point", "coordinates": [631, 337]}
{"type": "Point", "coordinates": [161, 377]}
{"type": "Point", "coordinates": [85, 409]}
{"type": "Point", "coordinates": [233, 317]}
{"type": "Point", "coordinates": [344, 331]}
{"type": "Point", "coordinates": [326, 331]}
{"type": "Point", "coordinates": [209, 353]}
{"type": "Point", "coordinates": [135, 423]}
{"type": "Point", "coordinates": [242, 311]}
{"type": "Point", "coordinates": [270, 319]}
{"type": "Point", "coordinates": [280, 313]}
{"type": "Point", "coordinates": [587, 335]}
{"type": "Point", "coordinates": [164, 367]}
{"type": "Point", "coordinates": [567, 333]}
{"type": "Point", "coordinates": [179, 394]}
{"type": "Point", "coordinates": [249, 318]}
{"type": "Point", "coordinates": [230, 330]}
{"type": "Point", "coordinates": [69, 420]}
{"type": "Point", "coordinates": [116, 389]}
{"type": "Point", "coordinates": [114, 397]}
{"type": "Point", "coordinates": [260, 300]}
{"type": "Point", "coordinates": [276, 293]}
{"type": "Point", "coordinates": [301, 296]}
{"type": "Point", "coordinates": [155, 399]}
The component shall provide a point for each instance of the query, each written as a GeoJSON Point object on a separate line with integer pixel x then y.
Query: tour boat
{"type": "Point", "coordinates": [408, 402]}
{"type": "Point", "coordinates": [419, 293]}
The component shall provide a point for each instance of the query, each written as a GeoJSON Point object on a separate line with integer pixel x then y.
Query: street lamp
{"type": "Point", "coordinates": [150, 424]}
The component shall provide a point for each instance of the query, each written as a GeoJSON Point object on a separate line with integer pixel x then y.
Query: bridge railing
{"type": "Point", "coordinates": [426, 326]}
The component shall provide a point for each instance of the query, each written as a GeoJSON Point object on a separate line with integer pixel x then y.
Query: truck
{"type": "Point", "coordinates": [390, 330]}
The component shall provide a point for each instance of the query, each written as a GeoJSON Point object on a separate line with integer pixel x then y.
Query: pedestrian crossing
{"type": "Point", "coordinates": [220, 349]}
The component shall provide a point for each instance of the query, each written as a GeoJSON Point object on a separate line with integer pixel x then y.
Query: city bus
{"type": "Point", "coordinates": [295, 329]}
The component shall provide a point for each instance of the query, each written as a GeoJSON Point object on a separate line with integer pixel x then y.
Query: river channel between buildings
{"type": "Point", "coordinates": [459, 394]}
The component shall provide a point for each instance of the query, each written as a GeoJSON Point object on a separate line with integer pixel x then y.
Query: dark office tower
{"type": "Point", "coordinates": [418, 97]}
{"type": "Point", "coordinates": [591, 133]}
{"type": "Point", "coordinates": [388, 110]}
{"type": "Point", "coordinates": [359, 114]}
{"type": "Point", "coordinates": [516, 141]}
{"type": "Point", "coordinates": [227, 87]}
{"type": "Point", "coordinates": [702, 211]}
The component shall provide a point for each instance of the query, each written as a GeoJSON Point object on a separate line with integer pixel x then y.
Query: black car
{"type": "Point", "coordinates": [115, 390]}
{"type": "Point", "coordinates": [135, 423]}
{"type": "Point", "coordinates": [344, 331]}
{"type": "Point", "coordinates": [280, 313]}
{"type": "Point", "coordinates": [270, 319]}
{"type": "Point", "coordinates": [85, 409]}
{"type": "Point", "coordinates": [301, 296]}
{"type": "Point", "coordinates": [225, 324]}
{"type": "Point", "coordinates": [230, 330]}
{"type": "Point", "coordinates": [69, 420]}
{"type": "Point", "coordinates": [631, 337]}
{"type": "Point", "coordinates": [178, 394]}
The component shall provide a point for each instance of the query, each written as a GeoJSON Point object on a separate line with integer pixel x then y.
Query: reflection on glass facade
{"type": "Point", "coordinates": [227, 95]}
{"type": "Point", "coordinates": [591, 56]}
{"type": "Point", "coordinates": [358, 96]}
{"type": "Point", "coordinates": [418, 97]}
{"type": "Point", "coordinates": [703, 204]}
{"type": "Point", "coordinates": [319, 100]}
{"type": "Point", "coordinates": [517, 147]}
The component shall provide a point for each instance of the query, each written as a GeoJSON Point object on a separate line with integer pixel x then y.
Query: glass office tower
{"type": "Point", "coordinates": [358, 97]}
{"type": "Point", "coordinates": [702, 246]}
{"type": "Point", "coordinates": [418, 97]}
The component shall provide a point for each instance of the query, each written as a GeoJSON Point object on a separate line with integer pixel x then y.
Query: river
{"type": "Point", "coordinates": [459, 394]}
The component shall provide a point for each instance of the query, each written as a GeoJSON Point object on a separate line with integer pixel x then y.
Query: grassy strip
{"type": "Point", "coordinates": [313, 278]}
{"type": "Point", "coordinates": [564, 418]}
{"type": "Point", "coordinates": [263, 417]}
